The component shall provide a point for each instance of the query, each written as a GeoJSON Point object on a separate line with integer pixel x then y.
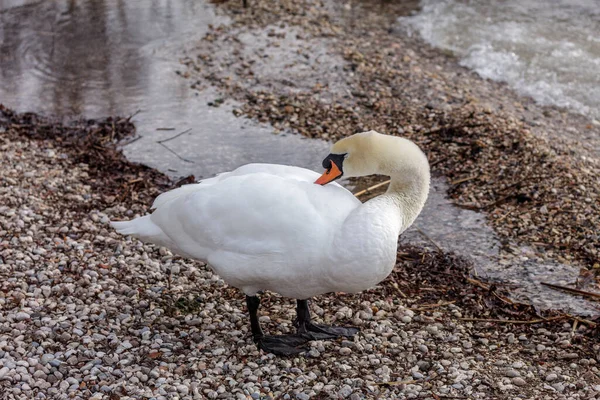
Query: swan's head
{"type": "Point", "coordinates": [370, 153]}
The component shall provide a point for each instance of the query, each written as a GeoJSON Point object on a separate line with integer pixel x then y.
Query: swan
{"type": "Point", "coordinates": [270, 227]}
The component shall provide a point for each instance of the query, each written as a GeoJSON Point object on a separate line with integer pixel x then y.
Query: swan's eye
{"type": "Point", "coordinates": [337, 159]}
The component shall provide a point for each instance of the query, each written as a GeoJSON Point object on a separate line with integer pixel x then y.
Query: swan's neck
{"type": "Point", "coordinates": [365, 247]}
{"type": "Point", "coordinates": [408, 191]}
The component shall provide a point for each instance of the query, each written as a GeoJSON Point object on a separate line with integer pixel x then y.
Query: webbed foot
{"type": "Point", "coordinates": [282, 345]}
{"type": "Point", "coordinates": [325, 332]}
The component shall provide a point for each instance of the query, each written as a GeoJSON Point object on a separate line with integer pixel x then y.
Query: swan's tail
{"type": "Point", "coordinates": [145, 229]}
{"type": "Point", "coordinates": [141, 227]}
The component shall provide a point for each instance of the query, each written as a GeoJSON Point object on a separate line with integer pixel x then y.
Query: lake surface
{"type": "Point", "coordinates": [548, 50]}
{"type": "Point", "coordinates": [95, 58]}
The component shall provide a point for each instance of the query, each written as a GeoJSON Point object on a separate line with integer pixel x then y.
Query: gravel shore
{"type": "Point", "coordinates": [87, 314]}
{"type": "Point", "coordinates": [329, 70]}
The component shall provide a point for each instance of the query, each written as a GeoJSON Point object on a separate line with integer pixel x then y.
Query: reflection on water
{"type": "Point", "coordinates": [90, 57]}
{"type": "Point", "coordinates": [115, 57]}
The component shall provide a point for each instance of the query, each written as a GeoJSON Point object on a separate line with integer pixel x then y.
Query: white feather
{"type": "Point", "coordinates": [269, 227]}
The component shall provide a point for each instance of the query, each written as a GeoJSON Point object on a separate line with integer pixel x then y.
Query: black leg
{"type": "Point", "coordinates": [317, 331]}
{"type": "Point", "coordinates": [283, 345]}
{"type": "Point", "coordinates": [253, 303]}
{"type": "Point", "coordinates": [245, 2]}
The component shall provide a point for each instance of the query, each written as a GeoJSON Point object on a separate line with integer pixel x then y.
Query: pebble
{"type": "Point", "coordinates": [345, 391]}
{"type": "Point", "coordinates": [46, 358]}
{"type": "Point", "coordinates": [345, 351]}
{"type": "Point", "coordinates": [417, 375]}
{"type": "Point", "coordinates": [518, 381]}
{"type": "Point", "coordinates": [184, 390]}
{"type": "Point", "coordinates": [551, 377]}
{"type": "Point", "coordinates": [22, 316]}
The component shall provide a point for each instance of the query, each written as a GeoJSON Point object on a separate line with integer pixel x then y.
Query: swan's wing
{"type": "Point", "coordinates": [253, 214]}
{"type": "Point", "coordinates": [260, 227]}
{"type": "Point", "coordinates": [283, 171]}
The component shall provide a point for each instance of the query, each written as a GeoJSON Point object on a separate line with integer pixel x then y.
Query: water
{"type": "Point", "coordinates": [548, 50]}
{"type": "Point", "coordinates": [466, 233]}
{"type": "Point", "coordinates": [97, 58]}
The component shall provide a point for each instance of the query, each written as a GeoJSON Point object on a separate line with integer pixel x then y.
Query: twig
{"type": "Point", "coordinates": [452, 127]}
{"type": "Point", "coordinates": [369, 189]}
{"type": "Point", "coordinates": [496, 202]}
{"type": "Point", "coordinates": [395, 285]}
{"type": "Point", "coordinates": [513, 321]}
{"type": "Point", "coordinates": [581, 320]}
{"type": "Point", "coordinates": [431, 306]}
{"type": "Point", "coordinates": [165, 129]}
{"type": "Point", "coordinates": [436, 162]}
{"type": "Point", "coordinates": [428, 238]}
{"type": "Point", "coordinates": [505, 299]}
{"type": "Point", "coordinates": [462, 180]}
{"type": "Point", "coordinates": [139, 110]}
{"type": "Point", "coordinates": [174, 137]}
{"type": "Point", "coordinates": [517, 183]}
{"type": "Point", "coordinates": [178, 156]}
{"type": "Point", "coordinates": [488, 287]}
{"type": "Point", "coordinates": [572, 290]}
{"type": "Point", "coordinates": [504, 216]}
{"type": "Point", "coordinates": [396, 383]}
{"type": "Point", "coordinates": [131, 141]}
{"type": "Point", "coordinates": [478, 283]}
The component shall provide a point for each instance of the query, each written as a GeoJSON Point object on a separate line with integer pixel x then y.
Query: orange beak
{"type": "Point", "coordinates": [329, 175]}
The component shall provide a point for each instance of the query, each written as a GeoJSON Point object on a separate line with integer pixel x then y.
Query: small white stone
{"type": "Point", "coordinates": [183, 389]}
{"type": "Point", "coordinates": [551, 377]}
{"type": "Point", "coordinates": [22, 316]}
{"type": "Point", "coordinates": [218, 352]}
{"type": "Point", "coordinates": [518, 365]}
{"type": "Point", "coordinates": [518, 381]}
{"type": "Point", "coordinates": [345, 351]}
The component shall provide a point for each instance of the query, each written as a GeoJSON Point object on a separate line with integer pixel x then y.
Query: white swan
{"type": "Point", "coordinates": [269, 227]}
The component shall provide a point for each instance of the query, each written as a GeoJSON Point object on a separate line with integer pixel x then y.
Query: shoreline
{"type": "Point", "coordinates": [536, 188]}
{"type": "Point", "coordinates": [108, 315]}
{"type": "Point", "coordinates": [87, 313]}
